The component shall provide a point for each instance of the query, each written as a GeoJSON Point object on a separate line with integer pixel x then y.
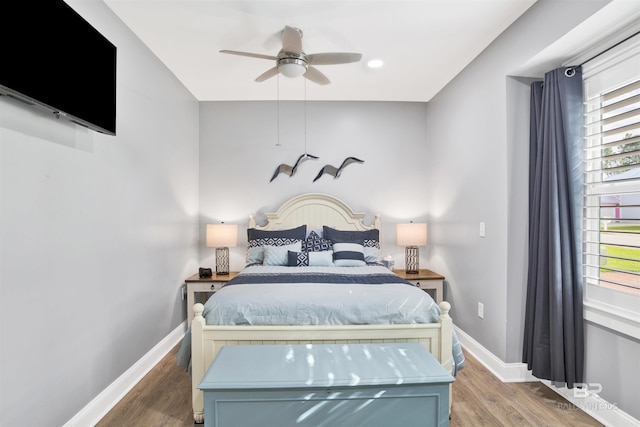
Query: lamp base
{"type": "Point", "coordinates": [412, 260]}
{"type": "Point", "coordinates": [222, 261]}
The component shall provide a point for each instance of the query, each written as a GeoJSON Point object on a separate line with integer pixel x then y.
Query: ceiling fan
{"type": "Point", "coordinates": [293, 62]}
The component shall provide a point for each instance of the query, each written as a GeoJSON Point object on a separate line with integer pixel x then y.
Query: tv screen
{"type": "Point", "coordinates": [55, 60]}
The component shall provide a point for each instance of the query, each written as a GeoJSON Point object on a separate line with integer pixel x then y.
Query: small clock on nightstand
{"type": "Point", "coordinates": [426, 280]}
{"type": "Point", "coordinates": [196, 284]}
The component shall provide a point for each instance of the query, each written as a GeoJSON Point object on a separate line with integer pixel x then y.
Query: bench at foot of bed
{"type": "Point", "coordinates": [326, 384]}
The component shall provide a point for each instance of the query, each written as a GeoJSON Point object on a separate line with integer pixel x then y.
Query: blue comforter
{"type": "Point", "coordinates": [275, 295]}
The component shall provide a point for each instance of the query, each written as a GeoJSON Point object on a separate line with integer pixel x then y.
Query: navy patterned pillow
{"type": "Point", "coordinates": [315, 243]}
{"type": "Point", "coordinates": [279, 241]}
{"type": "Point", "coordinates": [297, 259]}
{"type": "Point", "coordinates": [370, 243]}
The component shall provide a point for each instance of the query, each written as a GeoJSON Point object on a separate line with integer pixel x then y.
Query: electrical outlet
{"type": "Point", "coordinates": [481, 310]}
{"type": "Point", "coordinates": [482, 230]}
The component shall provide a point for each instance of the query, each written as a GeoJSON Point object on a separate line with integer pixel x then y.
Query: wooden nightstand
{"type": "Point", "coordinates": [195, 284]}
{"type": "Point", "coordinates": [425, 279]}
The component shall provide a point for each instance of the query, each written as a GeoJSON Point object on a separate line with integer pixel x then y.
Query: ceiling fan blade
{"type": "Point", "coordinates": [316, 76]}
{"type": "Point", "coordinates": [273, 42]}
{"type": "Point", "coordinates": [251, 55]}
{"type": "Point", "coordinates": [292, 40]}
{"type": "Point", "coordinates": [267, 74]}
{"type": "Point", "coordinates": [329, 58]}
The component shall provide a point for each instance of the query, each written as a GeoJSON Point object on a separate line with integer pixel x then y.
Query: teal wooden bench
{"type": "Point", "coordinates": [311, 385]}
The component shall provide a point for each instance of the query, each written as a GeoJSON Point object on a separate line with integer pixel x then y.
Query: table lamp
{"type": "Point", "coordinates": [221, 237]}
{"type": "Point", "coordinates": [411, 236]}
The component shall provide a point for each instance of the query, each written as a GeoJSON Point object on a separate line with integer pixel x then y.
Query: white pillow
{"type": "Point", "coordinates": [278, 255]}
{"type": "Point", "coordinates": [321, 259]}
{"type": "Point", "coordinates": [371, 254]}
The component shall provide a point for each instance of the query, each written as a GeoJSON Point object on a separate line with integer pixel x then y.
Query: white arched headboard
{"type": "Point", "coordinates": [315, 210]}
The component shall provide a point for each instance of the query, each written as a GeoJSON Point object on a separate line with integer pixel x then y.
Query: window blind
{"type": "Point", "coordinates": [612, 172]}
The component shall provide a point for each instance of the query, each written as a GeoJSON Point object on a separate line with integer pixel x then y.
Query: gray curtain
{"type": "Point", "coordinates": [553, 335]}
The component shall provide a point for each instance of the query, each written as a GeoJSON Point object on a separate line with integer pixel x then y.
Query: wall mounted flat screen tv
{"type": "Point", "coordinates": [53, 59]}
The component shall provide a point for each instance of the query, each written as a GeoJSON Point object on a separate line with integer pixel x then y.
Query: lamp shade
{"type": "Point", "coordinates": [412, 234]}
{"type": "Point", "coordinates": [222, 235]}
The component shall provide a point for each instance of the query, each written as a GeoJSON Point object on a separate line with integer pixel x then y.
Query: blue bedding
{"type": "Point", "coordinates": [278, 295]}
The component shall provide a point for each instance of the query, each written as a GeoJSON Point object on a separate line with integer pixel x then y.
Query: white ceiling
{"type": "Point", "coordinates": [423, 43]}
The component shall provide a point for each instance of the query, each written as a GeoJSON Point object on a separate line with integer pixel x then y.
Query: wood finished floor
{"type": "Point", "coordinates": [163, 398]}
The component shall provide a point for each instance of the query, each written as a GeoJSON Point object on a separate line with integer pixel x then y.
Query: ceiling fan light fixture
{"type": "Point", "coordinates": [375, 63]}
{"type": "Point", "coordinates": [292, 67]}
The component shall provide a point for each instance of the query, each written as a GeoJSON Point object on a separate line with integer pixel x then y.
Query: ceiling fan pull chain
{"type": "Point", "coordinates": [278, 110]}
{"type": "Point", "coordinates": [305, 116]}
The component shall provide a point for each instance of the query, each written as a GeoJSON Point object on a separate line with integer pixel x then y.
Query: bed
{"type": "Point", "coordinates": [232, 316]}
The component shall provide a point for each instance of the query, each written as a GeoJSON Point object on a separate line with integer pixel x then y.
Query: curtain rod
{"type": "Point", "coordinates": [569, 72]}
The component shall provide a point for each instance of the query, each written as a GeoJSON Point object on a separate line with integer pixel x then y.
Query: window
{"type": "Point", "coordinates": [613, 206]}
{"type": "Point", "coordinates": [612, 188]}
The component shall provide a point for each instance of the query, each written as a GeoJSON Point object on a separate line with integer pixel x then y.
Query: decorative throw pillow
{"type": "Point", "coordinates": [318, 231]}
{"type": "Point", "coordinates": [297, 259]}
{"type": "Point", "coordinates": [371, 251]}
{"type": "Point", "coordinates": [279, 255]}
{"type": "Point", "coordinates": [315, 243]}
{"type": "Point", "coordinates": [321, 259]}
{"type": "Point", "coordinates": [348, 254]}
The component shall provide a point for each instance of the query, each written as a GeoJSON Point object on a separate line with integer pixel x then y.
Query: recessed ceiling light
{"type": "Point", "coordinates": [375, 63]}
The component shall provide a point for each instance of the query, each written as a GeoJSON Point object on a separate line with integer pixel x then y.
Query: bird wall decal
{"type": "Point", "coordinates": [291, 170]}
{"type": "Point", "coordinates": [334, 171]}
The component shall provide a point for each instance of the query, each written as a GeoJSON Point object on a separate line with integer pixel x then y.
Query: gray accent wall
{"type": "Point", "coordinates": [239, 154]}
{"type": "Point", "coordinates": [97, 234]}
{"type": "Point", "coordinates": [478, 161]}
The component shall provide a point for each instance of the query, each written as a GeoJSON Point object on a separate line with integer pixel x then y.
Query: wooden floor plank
{"type": "Point", "coordinates": [481, 399]}
{"type": "Point", "coordinates": [163, 398]}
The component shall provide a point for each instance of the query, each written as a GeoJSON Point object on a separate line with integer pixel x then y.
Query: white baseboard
{"type": "Point", "coordinates": [598, 408]}
{"type": "Point", "coordinates": [109, 397]}
{"type": "Point", "coordinates": [506, 372]}
{"type": "Point", "coordinates": [603, 411]}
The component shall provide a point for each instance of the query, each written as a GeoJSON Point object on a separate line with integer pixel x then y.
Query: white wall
{"type": "Point", "coordinates": [97, 234]}
{"type": "Point", "coordinates": [238, 156]}
{"type": "Point", "coordinates": [478, 156]}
